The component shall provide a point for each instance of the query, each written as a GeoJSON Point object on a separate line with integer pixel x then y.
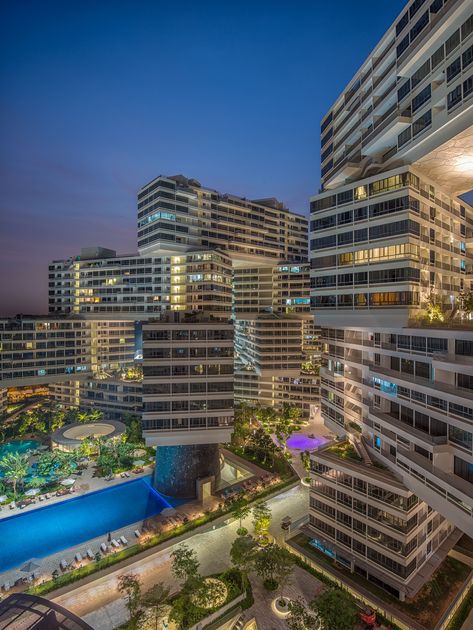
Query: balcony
{"type": "Point", "coordinates": [382, 135]}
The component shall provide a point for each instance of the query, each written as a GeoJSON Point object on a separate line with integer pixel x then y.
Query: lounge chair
{"type": "Point", "coordinates": [90, 555]}
{"type": "Point", "coordinates": [6, 587]}
{"type": "Point", "coordinates": [115, 542]}
{"type": "Point", "coordinates": [123, 475]}
{"type": "Point", "coordinates": [127, 474]}
{"type": "Point", "coordinates": [103, 548]}
{"type": "Point", "coordinates": [78, 557]}
{"type": "Point", "coordinates": [41, 498]}
{"type": "Point", "coordinates": [124, 540]}
{"type": "Point", "coordinates": [137, 533]}
{"type": "Point", "coordinates": [63, 564]}
{"type": "Point", "coordinates": [12, 505]}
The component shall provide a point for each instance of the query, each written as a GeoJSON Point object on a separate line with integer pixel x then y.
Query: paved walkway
{"type": "Point", "coordinates": [302, 584]}
{"type": "Point", "coordinates": [99, 602]}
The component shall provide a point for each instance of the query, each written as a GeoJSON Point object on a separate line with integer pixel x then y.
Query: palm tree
{"type": "Point", "coordinates": [95, 415]}
{"type": "Point", "coordinates": [15, 468]}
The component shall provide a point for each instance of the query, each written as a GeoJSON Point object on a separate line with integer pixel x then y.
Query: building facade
{"type": "Point", "coordinates": [391, 265]}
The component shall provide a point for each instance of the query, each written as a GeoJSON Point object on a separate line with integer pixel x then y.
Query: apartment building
{"type": "Point", "coordinates": [178, 214]}
{"type": "Point", "coordinates": [138, 287]}
{"type": "Point", "coordinates": [366, 520]}
{"type": "Point", "coordinates": [391, 265]}
{"type": "Point", "coordinates": [188, 403]}
{"type": "Point", "coordinates": [276, 342]}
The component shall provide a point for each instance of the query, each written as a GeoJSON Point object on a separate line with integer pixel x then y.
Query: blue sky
{"type": "Point", "coordinates": [100, 97]}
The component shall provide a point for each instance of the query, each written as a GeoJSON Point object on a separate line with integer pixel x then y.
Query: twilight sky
{"type": "Point", "coordinates": [99, 97]}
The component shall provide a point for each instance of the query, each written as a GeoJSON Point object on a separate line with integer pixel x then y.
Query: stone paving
{"type": "Point", "coordinates": [99, 602]}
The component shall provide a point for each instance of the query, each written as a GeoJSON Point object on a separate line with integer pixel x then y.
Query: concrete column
{"type": "Point", "coordinates": [178, 468]}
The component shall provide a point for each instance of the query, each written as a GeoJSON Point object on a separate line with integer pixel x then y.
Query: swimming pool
{"type": "Point", "coordinates": [21, 447]}
{"type": "Point", "coordinates": [304, 442]}
{"type": "Point", "coordinates": [55, 527]}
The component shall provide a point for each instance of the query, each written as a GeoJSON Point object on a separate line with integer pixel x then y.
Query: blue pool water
{"type": "Point", "coordinates": [52, 528]}
{"type": "Point", "coordinates": [22, 446]}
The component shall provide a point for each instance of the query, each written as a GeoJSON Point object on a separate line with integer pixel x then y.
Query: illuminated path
{"type": "Point", "coordinates": [99, 602]}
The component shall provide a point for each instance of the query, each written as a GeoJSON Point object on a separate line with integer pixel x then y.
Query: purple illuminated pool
{"type": "Point", "coordinates": [304, 442]}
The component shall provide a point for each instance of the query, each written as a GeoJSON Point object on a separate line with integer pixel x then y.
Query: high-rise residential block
{"type": "Point", "coordinates": [391, 262]}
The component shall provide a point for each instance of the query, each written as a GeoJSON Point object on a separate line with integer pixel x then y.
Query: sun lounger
{"type": "Point", "coordinates": [78, 557]}
{"type": "Point", "coordinates": [127, 474]}
{"type": "Point", "coordinates": [124, 540]}
{"type": "Point", "coordinates": [103, 548]}
{"type": "Point", "coordinates": [122, 475]}
{"type": "Point", "coordinates": [41, 498]}
{"type": "Point", "coordinates": [64, 565]}
{"type": "Point", "coordinates": [115, 543]}
{"type": "Point", "coordinates": [90, 555]}
{"type": "Point", "coordinates": [12, 506]}
{"type": "Point", "coordinates": [6, 587]}
{"type": "Point", "coordinates": [137, 533]}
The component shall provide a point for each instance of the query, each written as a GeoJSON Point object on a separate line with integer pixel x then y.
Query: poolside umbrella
{"type": "Point", "coordinates": [139, 462]}
{"type": "Point", "coordinates": [29, 567]}
{"type": "Point", "coordinates": [3, 498]}
{"type": "Point", "coordinates": [68, 482]}
{"type": "Point", "coordinates": [31, 492]}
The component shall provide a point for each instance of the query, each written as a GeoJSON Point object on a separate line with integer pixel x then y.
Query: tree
{"type": "Point", "coordinates": [130, 586]}
{"type": "Point", "coordinates": [300, 617]}
{"type": "Point", "coordinates": [15, 468]}
{"type": "Point", "coordinates": [305, 459]}
{"type": "Point", "coordinates": [287, 422]}
{"type": "Point", "coordinates": [336, 609]}
{"type": "Point", "coordinates": [242, 554]}
{"type": "Point", "coordinates": [261, 519]}
{"type": "Point", "coordinates": [240, 510]}
{"type": "Point", "coordinates": [185, 565]}
{"type": "Point", "coordinates": [274, 565]}
{"type": "Point", "coordinates": [156, 600]}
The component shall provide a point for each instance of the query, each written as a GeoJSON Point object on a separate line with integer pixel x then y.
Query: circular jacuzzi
{"type": "Point", "coordinates": [70, 436]}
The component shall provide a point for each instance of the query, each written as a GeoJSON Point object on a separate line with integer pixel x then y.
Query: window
{"type": "Point", "coordinates": [361, 193]}
{"type": "Point", "coordinates": [465, 381]}
{"type": "Point", "coordinates": [454, 97]}
{"type": "Point", "coordinates": [421, 98]}
{"type": "Point", "coordinates": [404, 90]}
{"type": "Point", "coordinates": [387, 184]}
{"type": "Point", "coordinates": [345, 197]}
{"type": "Point", "coordinates": [437, 57]}
{"type": "Point", "coordinates": [460, 437]}
{"type": "Point", "coordinates": [360, 214]}
{"type": "Point", "coordinates": [402, 23]}
{"type": "Point", "coordinates": [421, 123]}
{"type": "Point", "coordinates": [345, 217]}
{"type": "Point", "coordinates": [452, 42]}
{"type": "Point", "coordinates": [323, 224]}
{"type": "Point", "coordinates": [420, 74]}
{"type": "Point", "coordinates": [345, 238]}
{"type": "Point", "coordinates": [419, 25]}
{"type": "Point", "coordinates": [403, 44]}
{"type": "Point", "coordinates": [323, 204]}
{"type": "Point", "coordinates": [468, 87]}
{"type": "Point", "coordinates": [453, 69]}
{"type": "Point", "coordinates": [467, 57]}
{"type": "Point", "coordinates": [404, 137]}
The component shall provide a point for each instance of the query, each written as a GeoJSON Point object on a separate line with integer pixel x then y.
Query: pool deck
{"type": "Point", "coordinates": [86, 484]}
